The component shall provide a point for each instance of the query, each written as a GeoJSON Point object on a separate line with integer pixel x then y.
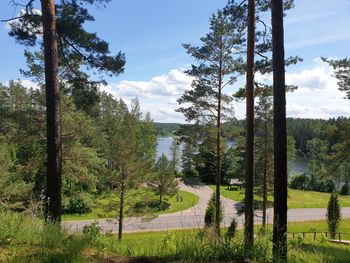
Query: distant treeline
{"type": "Point", "coordinates": [166, 129]}
{"type": "Point", "coordinates": [302, 130]}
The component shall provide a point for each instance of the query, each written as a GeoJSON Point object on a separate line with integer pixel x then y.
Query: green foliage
{"type": "Point", "coordinates": [143, 203]}
{"type": "Point", "coordinates": [342, 73]}
{"type": "Point", "coordinates": [209, 217]}
{"type": "Point", "coordinates": [77, 205]}
{"type": "Point", "coordinates": [232, 229]}
{"type": "Point", "coordinates": [304, 182]}
{"type": "Point", "coordinates": [92, 233]}
{"type": "Point", "coordinates": [333, 214]}
{"type": "Point", "coordinates": [78, 50]}
{"type": "Point", "coordinates": [166, 129]}
{"type": "Point", "coordinates": [164, 182]}
{"type": "Point", "coordinates": [345, 190]}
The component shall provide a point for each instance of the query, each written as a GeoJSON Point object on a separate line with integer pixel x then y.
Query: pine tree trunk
{"type": "Point", "coordinates": [121, 209]}
{"type": "Point", "coordinates": [249, 190]}
{"type": "Point", "coordinates": [218, 153]}
{"type": "Point", "coordinates": [53, 133]}
{"type": "Point", "coordinates": [280, 135]}
{"type": "Point", "coordinates": [264, 208]}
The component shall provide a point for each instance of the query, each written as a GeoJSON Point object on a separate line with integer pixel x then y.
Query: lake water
{"type": "Point", "coordinates": [164, 143]}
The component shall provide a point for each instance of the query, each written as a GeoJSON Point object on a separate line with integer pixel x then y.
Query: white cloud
{"type": "Point", "coordinates": [317, 95]}
{"type": "Point", "coordinates": [171, 84]}
{"type": "Point", "coordinates": [158, 95]}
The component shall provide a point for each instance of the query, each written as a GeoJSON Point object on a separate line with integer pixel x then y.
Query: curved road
{"type": "Point", "coordinates": [194, 216]}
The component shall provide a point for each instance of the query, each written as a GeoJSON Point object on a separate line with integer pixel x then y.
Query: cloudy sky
{"type": "Point", "coordinates": [151, 32]}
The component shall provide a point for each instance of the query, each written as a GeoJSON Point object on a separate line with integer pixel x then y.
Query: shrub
{"type": "Point", "coordinates": [77, 205]}
{"type": "Point", "coordinates": [333, 213]}
{"type": "Point", "coordinates": [209, 217]}
{"type": "Point", "coordinates": [92, 233]}
{"type": "Point", "coordinates": [231, 230]}
{"type": "Point", "coordinates": [344, 189]}
{"type": "Point", "coordinates": [299, 182]}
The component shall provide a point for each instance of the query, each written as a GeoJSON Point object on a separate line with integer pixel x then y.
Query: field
{"type": "Point", "coordinates": [26, 240]}
{"type": "Point", "coordinates": [145, 203]}
{"type": "Point", "coordinates": [296, 198]}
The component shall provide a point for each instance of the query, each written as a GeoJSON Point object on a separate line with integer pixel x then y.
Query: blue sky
{"type": "Point", "coordinates": [151, 32]}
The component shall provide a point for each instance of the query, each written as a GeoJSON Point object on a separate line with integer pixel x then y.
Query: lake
{"type": "Point", "coordinates": [164, 143]}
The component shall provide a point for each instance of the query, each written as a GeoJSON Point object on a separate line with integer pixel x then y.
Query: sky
{"type": "Point", "coordinates": [151, 32]}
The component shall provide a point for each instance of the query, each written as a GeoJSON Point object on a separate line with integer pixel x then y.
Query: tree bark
{"type": "Point", "coordinates": [265, 171]}
{"type": "Point", "coordinates": [249, 190]}
{"type": "Point", "coordinates": [121, 209]}
{"type": "Point", "coordinates": [218, 153]}
{"type": "Point", "coordinates": [53, 133]}
{"type": "Point", "coordinates": [280, 135]}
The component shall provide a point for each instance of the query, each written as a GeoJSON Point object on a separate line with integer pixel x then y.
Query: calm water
{"type": "Point", "coordinates": [300, 164]}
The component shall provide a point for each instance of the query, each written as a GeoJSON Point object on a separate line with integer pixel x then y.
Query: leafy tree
{"type": "Point", "coordinates": [218, 60]}
{"type": "Point", "coordinates": [333, 214]}
{"type": "Point", "coordinates": [164, 182]}
{"type": "Point", "coordinates": [15, 190]}
{"type": "Point", "coordinates": [23, 119]}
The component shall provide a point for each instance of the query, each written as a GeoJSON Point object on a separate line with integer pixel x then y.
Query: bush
{"type": "Point", "coordinates": [92, 233]}
{"type": "Point", "coordinates": [333, 214]}
{"type": "Point", "coordinates": [299, 182]}
{"type": "Point", "coordinates": [209, 217]}
{"type": "Point", "coordinates": [344, 189]}
{"type": "Point", "coordinates": [231, 230]}
{"type": "Point", "coordinates": [303, 182]}
{"type": "Point", "coordinates": [77, 205]}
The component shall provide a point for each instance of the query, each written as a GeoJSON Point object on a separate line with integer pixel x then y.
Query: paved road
{"type": "Point", "coordinates": [194, 216]}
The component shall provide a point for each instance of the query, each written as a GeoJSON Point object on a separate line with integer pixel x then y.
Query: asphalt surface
{"type": "Point", "coordinates": [194, 216]}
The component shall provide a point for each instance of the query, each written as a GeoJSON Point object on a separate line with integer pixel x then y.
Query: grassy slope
{"type": "Point", "coordinates": [24, 240]}
{"type": "Point", "coordinates": [296, 198]}
{"type": "Point", "coordinates": [145, 204]}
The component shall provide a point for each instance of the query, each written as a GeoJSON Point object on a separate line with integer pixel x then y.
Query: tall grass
{"type": "Point", "coordinates": [23, 239]}
{"type": "Point", "coordinates": [186, 246]}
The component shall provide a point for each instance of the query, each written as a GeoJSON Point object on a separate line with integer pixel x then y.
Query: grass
{"type": "Point", "coordinates": [296, 198]}
{"type": "Point", "coordinates": [25, 240]}
{"type": "Point", "coordinates": [145, 203]}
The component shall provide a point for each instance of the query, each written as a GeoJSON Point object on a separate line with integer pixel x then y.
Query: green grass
{"type": "Point", "coordinates": [23, 239]}
{"type": "Point", "coordinates": [296, 198]}
{"type": "Point", "coordinates": [310, 199]}
{"type": "Point", "coordinates": [145, 203]}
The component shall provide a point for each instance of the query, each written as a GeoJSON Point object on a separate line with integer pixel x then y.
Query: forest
{"type": "Point", "coordinates": [83, 177]}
